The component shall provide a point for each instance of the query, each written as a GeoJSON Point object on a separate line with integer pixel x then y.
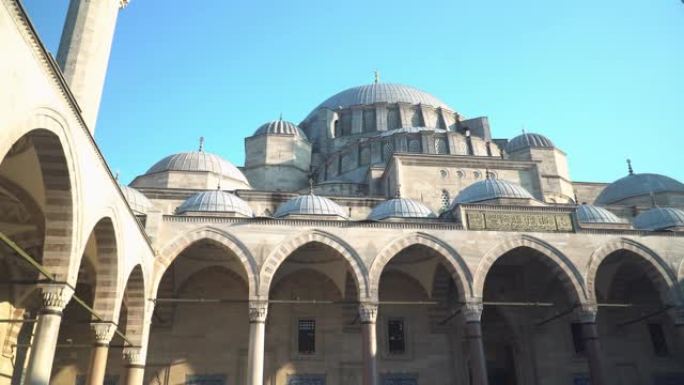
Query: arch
{"type": "Point", "coordinates": [287, 247]}
{"type": "Point", "coordinates": [172, 250]}
{"type": "Point", "coordinates": [454, 262]}
{"type": "Point", "coordinates": [655, 268]}
{"type": "Point", "coordinates": [568, 273]}
{"type": "Point", "coordinates": [106, 270]}
{"type": "Point", "coordinates": [47, 132]}
{"type": "Point", "coordinates": [134, 299]}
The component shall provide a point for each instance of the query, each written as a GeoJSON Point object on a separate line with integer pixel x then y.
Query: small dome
{"type": "Point", "coordinates": [400, 208]}
{"type": "Point", "coordinates": [593, 214]}
{"type": "Point", "coordinates": [488, 189]}
{"type": "Point", "coordinates": [634, 185]}
{"type": "Point", "coordinates": [381, 93]}
{"type": "Point", "coordinates": [528, 140]}
{"type": "Point", "coordinates": [280, 127]}
{"type": "Point", "coordinates": [199, 161]}
{"type": "Point", "coordinates": [659, 218]}
{"type": "Point", "coordinates": [310, 205]}
{"type": "Point", "coordinates": [215, 201]}
{"type": "Point", "coordinates": [138, 202]}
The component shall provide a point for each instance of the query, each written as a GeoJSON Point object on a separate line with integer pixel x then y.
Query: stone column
{"type": "Point", "coordinates": [104, 331]}
{"type": "Point", "coordinates": [368, 314]}
{"type": "Point", "coordinates": [55, 298]}
{"type": "Point", "coordinates": [135, 365]}
{"type": "Point", "coordinates": [586, 315]}
{"type": "Point", "coordinates": [472, 314]}
{"type": "Point", "coordinates": [257, 335]}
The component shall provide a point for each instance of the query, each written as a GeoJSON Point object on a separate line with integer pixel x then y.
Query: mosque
{"type": "Point", "coordinates": [385, 239]}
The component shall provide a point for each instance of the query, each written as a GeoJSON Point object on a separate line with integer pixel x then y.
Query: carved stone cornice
{"type": "Point", "coordinates": [55, 297]}
{"type": "Point", "coordinates": [587, 312]}
{"type": "Point", "coordinates": [258, 311]}
{"type": "Point", "coordinates": [472, 310]}
{"type": "Point", "coordinates": [368, 313]}
{"type": "Point", "coordinates": [103, 331]}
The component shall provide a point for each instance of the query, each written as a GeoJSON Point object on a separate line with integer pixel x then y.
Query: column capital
{"type": "Point", "coordinates": [55, 297]}
{"type": "Point", "coordinates": [368, 313]}
{"type": "Point", "coordinates": [104, 332]}
{"type": "Point", "coordinates": [472, 310]}
{"type": "Point", "coordinates": [586, 312]}
{"type": "Point", "coordinates": [134, 356]}
{"type": "Point", "coordinates": [258, 310]}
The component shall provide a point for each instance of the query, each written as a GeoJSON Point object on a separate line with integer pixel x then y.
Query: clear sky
{"type": "Point", "coordinates": [603, 79]}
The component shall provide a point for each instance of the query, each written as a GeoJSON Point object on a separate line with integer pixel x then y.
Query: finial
{"type": "Point", "coordinates": [311, 182]}
{"type": "Point", "coordinates": [116, 176]}
{"type": "Point", "coordinates": [629, 167]}
{"type": "Point", "coordinates": [397, 192]}
{"type": "Point", "coordinates": [486, 173]}
{"type": "Point", "coordinates": [281, 117]}
{"type": "Point", "coordinates": [218, 185]}
{"type": "Point", "coordinates": [653, 200]}
{"type": "Point", "coordinates": [376, 74]}
{"type": "Point", "coordinates": [576, 200]}
{"type": "Point", "coordinates": [201, 146]}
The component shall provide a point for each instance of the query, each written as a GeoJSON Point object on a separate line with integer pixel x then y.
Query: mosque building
{"type": "Point", "coordinates": [385, 239]}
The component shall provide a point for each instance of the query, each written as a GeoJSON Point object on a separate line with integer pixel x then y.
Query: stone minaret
{"type": "Point", "coordinates": [84, 51]}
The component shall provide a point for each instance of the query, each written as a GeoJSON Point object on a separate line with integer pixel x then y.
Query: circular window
{"type": "Point", "coordinates": [444, 173]}
{"type": "Point", "coordinates": [477, 175]}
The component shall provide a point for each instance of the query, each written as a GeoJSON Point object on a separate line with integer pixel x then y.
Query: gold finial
{"type": "Point", "coordinates": [201, 144]}
{"type": "Point", "coordinates": [629, 167]}
{"type": "Point", "coordinates": [376, 74]}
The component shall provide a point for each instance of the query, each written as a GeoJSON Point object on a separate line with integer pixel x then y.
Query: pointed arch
{"type": "Point", "coordinates": [134, 300]}
{"type": "Point", "coordinates": [46, 130]}
{"type": "Point", "coordinates": [107, 267]}
{"type": "Point", "coordinates": [453, 261]}
{"type": "Point", "coordinates": [287, 247]}
{"type": "Point", "coordinates": [654, 266]}
{"type": "Point", "coordinates": [173, 249]}
{"type": "Point", "coordinates": [568, 273]}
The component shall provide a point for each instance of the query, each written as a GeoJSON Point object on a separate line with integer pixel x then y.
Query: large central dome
{"type": "Point", "coordinates": [381, 93]}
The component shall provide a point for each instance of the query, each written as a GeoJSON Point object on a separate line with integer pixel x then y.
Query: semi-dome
{"type": "Point", "coordinates": [488, 189]}
{"type": "Point", "coordinates": [310, 205]}
{"type": "Point", "coordinates": [660, 218]}
{"type": "Point", "coordinates": [634, 185]}
{"type": "Point", "coordinates": [199, 161]}
{"type": "Point", "coordinates": [280, 127]}
{"type": "Point", "coordinates": [528, 140]}
{"type": "Point", "coordinates": [215, 201]}
{"type": "Point", "coordinates": [400, 208]}
{"type": "Point", "coordinates": [593, 214]}
{"type": "Point", "coordinates": [136, 200]}
{"type": "Point", "coordinates": [381, 93]}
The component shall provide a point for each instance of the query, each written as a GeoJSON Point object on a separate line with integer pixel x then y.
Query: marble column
{"type": "Point", "coordinates": [135, 365]}
{"type": "Point", "coordinates": [104, 331]}
{"type": "Point", "coordinates": [257, 335]}
{"type": "Point", "coordinates": [472, 314]}
{"type": "Point", "coordinates": [586, 315]}
{"type": "Point", "coordinates": [55, 298]}
{"type": "Point", "coordinates": [367, 315]}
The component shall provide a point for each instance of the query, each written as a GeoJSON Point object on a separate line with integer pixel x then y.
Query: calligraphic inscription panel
{"type": "Point", "coordinates": [498, 221]}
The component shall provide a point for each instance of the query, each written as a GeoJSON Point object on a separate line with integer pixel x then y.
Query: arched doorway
{"type": "Point", "coordinates": [312, 330]}
{"type": "Point", "coordinates": [638, 336]}
{"type": "Point", "coordinates": [418, 331]}
{"type": "Point", "coordinates": [526, 340]}
{"type": "Point", "coordinates": [200, 325]}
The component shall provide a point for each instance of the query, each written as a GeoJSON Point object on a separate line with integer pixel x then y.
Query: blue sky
{"type": "Point", "coordinates": [603, 79]}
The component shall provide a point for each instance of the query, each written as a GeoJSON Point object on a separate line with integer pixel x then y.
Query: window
{"type": "Point", "coordinates": [658, 339]}
{"type": "Point", "coordinates": [205, 379]}
{"type": "Point", "coordinates": [306, 336]}
{"type": "Point", "coordinates": [396, 337]}
{"type": "Point", "coordinates": [577, 340]}
{"type": "Point", "coordinates": [446, 201]}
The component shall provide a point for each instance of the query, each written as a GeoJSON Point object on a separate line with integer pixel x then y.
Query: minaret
{"type": "Point", "coordinates": [84, 51]}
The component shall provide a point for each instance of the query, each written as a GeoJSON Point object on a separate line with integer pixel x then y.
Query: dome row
{"type": "Point", "coordinates": [222, 202]}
